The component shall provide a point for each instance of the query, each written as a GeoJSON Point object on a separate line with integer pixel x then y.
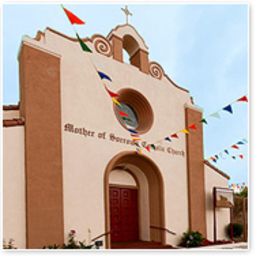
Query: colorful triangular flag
{"type": "Point", "coordinates": [147, 148]}
{"type": "Point", "coordinates": [203, 120]}
{"type": "Point", "coordinates": [126, 119]}
{"type": "Point", "coordinates": [174, 136]}
{"type": "Point", "coordinates": [132, 131]}
{"type": "Point", "coordinates": [234, 157]}
{"type": "Point", "coordinates": [240, 142]}
{"type": "Point", "coordinates": [243, 99]}
{"type": "Point", "coordinates": [235, 146]}
{"type": "Point", "coordinates": [83, 45]}
{"type": "Point", "coordinates": [111, 94]}
{"type": "Point", "coordinates": [72, 17]}
{"type": "Point", "coordinates": [228, 108]}
{"type": "Point", "coordinates": [241, 156]}
{"type": "Point", "coordinates": [139, 151]}
{"type": "Point", "coordinates": [136, 139]}
{"type": "Point", "coordinates": [153, 146]}
{"type": "Point", "coordinates": [226, 151]}
{"type": "Point", "coordinates": [122, 113]}
{"type": "Point", "coordinates": [167, 139]}
{"type": "Point", "coordinates": [185, 131]}
{"type": "Point", "coordinates": [193, 126]}
{"type": "Point", "coordinates": [216, 115]}
{"type": "Point", "coordinates": [102, 75]}
{"type": "Point", "coordinates": [116, 101]}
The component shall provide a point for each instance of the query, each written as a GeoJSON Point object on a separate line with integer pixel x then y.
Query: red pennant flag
{"type": "Point", "coordinates": [193, 126]}
{"type": "Point", "coordinates": [72, 17]}
{"type": "Point", "coordinates": [243, 99]}
{"type": "Point", "coordinates": [235, 146]}
{"type": "Point", "coordinates": [111, 94]}
{"type": "Point", "coordinates": [241, 156]}
{"type": "Point", "coordinates": [174, 136]}
{"type": "Point", "coordinates": [147, 148]}
{"type": "Point", "coordinates": [121, 113]}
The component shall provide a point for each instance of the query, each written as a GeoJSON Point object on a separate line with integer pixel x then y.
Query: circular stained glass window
{"type": "Point", "coordinates": [135, 111]}
{"type": "Point", "coordinates": [130, 120]}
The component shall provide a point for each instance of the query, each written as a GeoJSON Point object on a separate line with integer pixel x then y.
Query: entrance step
{"type": "Point", "coordinates": [140, 245]}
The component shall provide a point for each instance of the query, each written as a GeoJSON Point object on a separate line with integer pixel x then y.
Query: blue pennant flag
{"type": "Point", "coordinates": [228, 109]}
{"type": "Point", "coordinates": [226, 151]}
{"type": "Point", "coordinates": [240, 142]}
{"type": "Point", "coordinates": [167, 139]}
{"type": "Point", "coordinates": [234, 157]}
{"type": "Point", "coordinates": [103, 76]}
{"type": "Point", "coordinates": [132, 131]}
{"type": "Point", "coordinates": [216, 156]}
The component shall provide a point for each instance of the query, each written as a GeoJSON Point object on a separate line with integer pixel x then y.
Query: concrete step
{"type": "Point", "coordinates": [140, 245]}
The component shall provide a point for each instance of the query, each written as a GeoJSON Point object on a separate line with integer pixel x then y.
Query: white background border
{"type": "Point", "coordinates": [254, 176]}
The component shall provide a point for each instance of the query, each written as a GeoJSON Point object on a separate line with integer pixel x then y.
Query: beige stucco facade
{"type": "Point", "coordinates": [85, 155]}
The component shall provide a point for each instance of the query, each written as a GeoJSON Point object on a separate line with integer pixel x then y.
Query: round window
{"type": "Point", "coordinates": [135, 111]}
{"type": "Point", "coordinates": [131, 120]}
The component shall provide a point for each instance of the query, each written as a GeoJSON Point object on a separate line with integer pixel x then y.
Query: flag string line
{"type": "Point", "coordinates": [114, 97]}
{"type": "Point", "coordinates": [226, 151]}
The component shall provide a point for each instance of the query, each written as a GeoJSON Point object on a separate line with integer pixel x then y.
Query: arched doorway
{"type": "Point", "coordinates": [147, 180]}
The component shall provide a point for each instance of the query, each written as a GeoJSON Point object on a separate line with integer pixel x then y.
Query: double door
{"type": "Point", "coordinates": [123, 214]}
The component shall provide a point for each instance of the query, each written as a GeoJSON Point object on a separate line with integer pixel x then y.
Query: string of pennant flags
{"type": "Point", "coordinates": [237, 186]}
{"type": "Point", "coordinates": [228, 152]}
{"type": "Point", "coordinates": [193, 127]}
{"type": "Point", "coordinates": [104, 77]}
{"type": "Point", "coordinates": [135, 136]}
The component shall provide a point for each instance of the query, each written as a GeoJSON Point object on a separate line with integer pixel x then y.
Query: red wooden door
{"type": "Point", "coordinates": [123, 214]}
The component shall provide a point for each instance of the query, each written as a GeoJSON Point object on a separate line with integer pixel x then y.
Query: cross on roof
{"type": "Point", "coordinates": [127, 13]}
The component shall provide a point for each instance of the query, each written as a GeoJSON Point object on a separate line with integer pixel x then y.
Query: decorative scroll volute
{"type": "Point", "coordinates": [156, 70]}
{"type": "Point", "coordinates": [102, 45]}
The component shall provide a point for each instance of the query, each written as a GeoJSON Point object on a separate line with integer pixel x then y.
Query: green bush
{"type": "Point", "coordinates": [191, 239]}
{"type": "Point", "coordinates": [237, 230]}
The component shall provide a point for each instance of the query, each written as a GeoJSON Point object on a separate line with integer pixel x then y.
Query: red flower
{"type": "Point", "coordinates": [73, 232]}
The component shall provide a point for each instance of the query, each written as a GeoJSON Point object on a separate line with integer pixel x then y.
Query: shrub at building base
{"type": "Point", "coordinates": [72, 243]}
{"type": "Point", "coordinates": [191, 239]}
{"type": "Point", "coordinates": [9, 245]}
{"type": "Point", "coordinates": [237, 230]}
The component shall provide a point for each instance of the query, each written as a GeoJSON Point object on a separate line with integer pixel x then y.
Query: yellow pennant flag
{"type": "Point", "coordinates": [116, 101]}
{"type": "Point", "coordinates": [138, 150]}
{"type": "Point", "coordinates": [185, 131]}
{"type": "Point", "coordinates": [136, 138]}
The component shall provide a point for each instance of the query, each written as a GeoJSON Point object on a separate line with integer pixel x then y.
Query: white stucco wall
{"type": "Point", "coordinates": [14, 186]}
{"type": "Point", "coordinates": [85, 103]}
{"type": "Point", "coordinates": [214, 179]}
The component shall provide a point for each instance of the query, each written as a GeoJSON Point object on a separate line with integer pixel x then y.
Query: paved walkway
{"type": "Point", "coordinates": [241, 245]}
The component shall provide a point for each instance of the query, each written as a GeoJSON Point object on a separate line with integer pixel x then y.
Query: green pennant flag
{"type": "Point", "coordinates": [153, 146]}
{"type": "Point", "coordinates": [83, 45]}
{"type": "Point", "coordinates": [203, 120]}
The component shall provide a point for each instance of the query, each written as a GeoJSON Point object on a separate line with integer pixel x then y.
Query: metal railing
{"type": "Point", "coordinates": [163, 229]}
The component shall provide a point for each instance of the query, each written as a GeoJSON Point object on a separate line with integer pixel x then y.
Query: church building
{"type": "Point", "coordinates": [71, 163]}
